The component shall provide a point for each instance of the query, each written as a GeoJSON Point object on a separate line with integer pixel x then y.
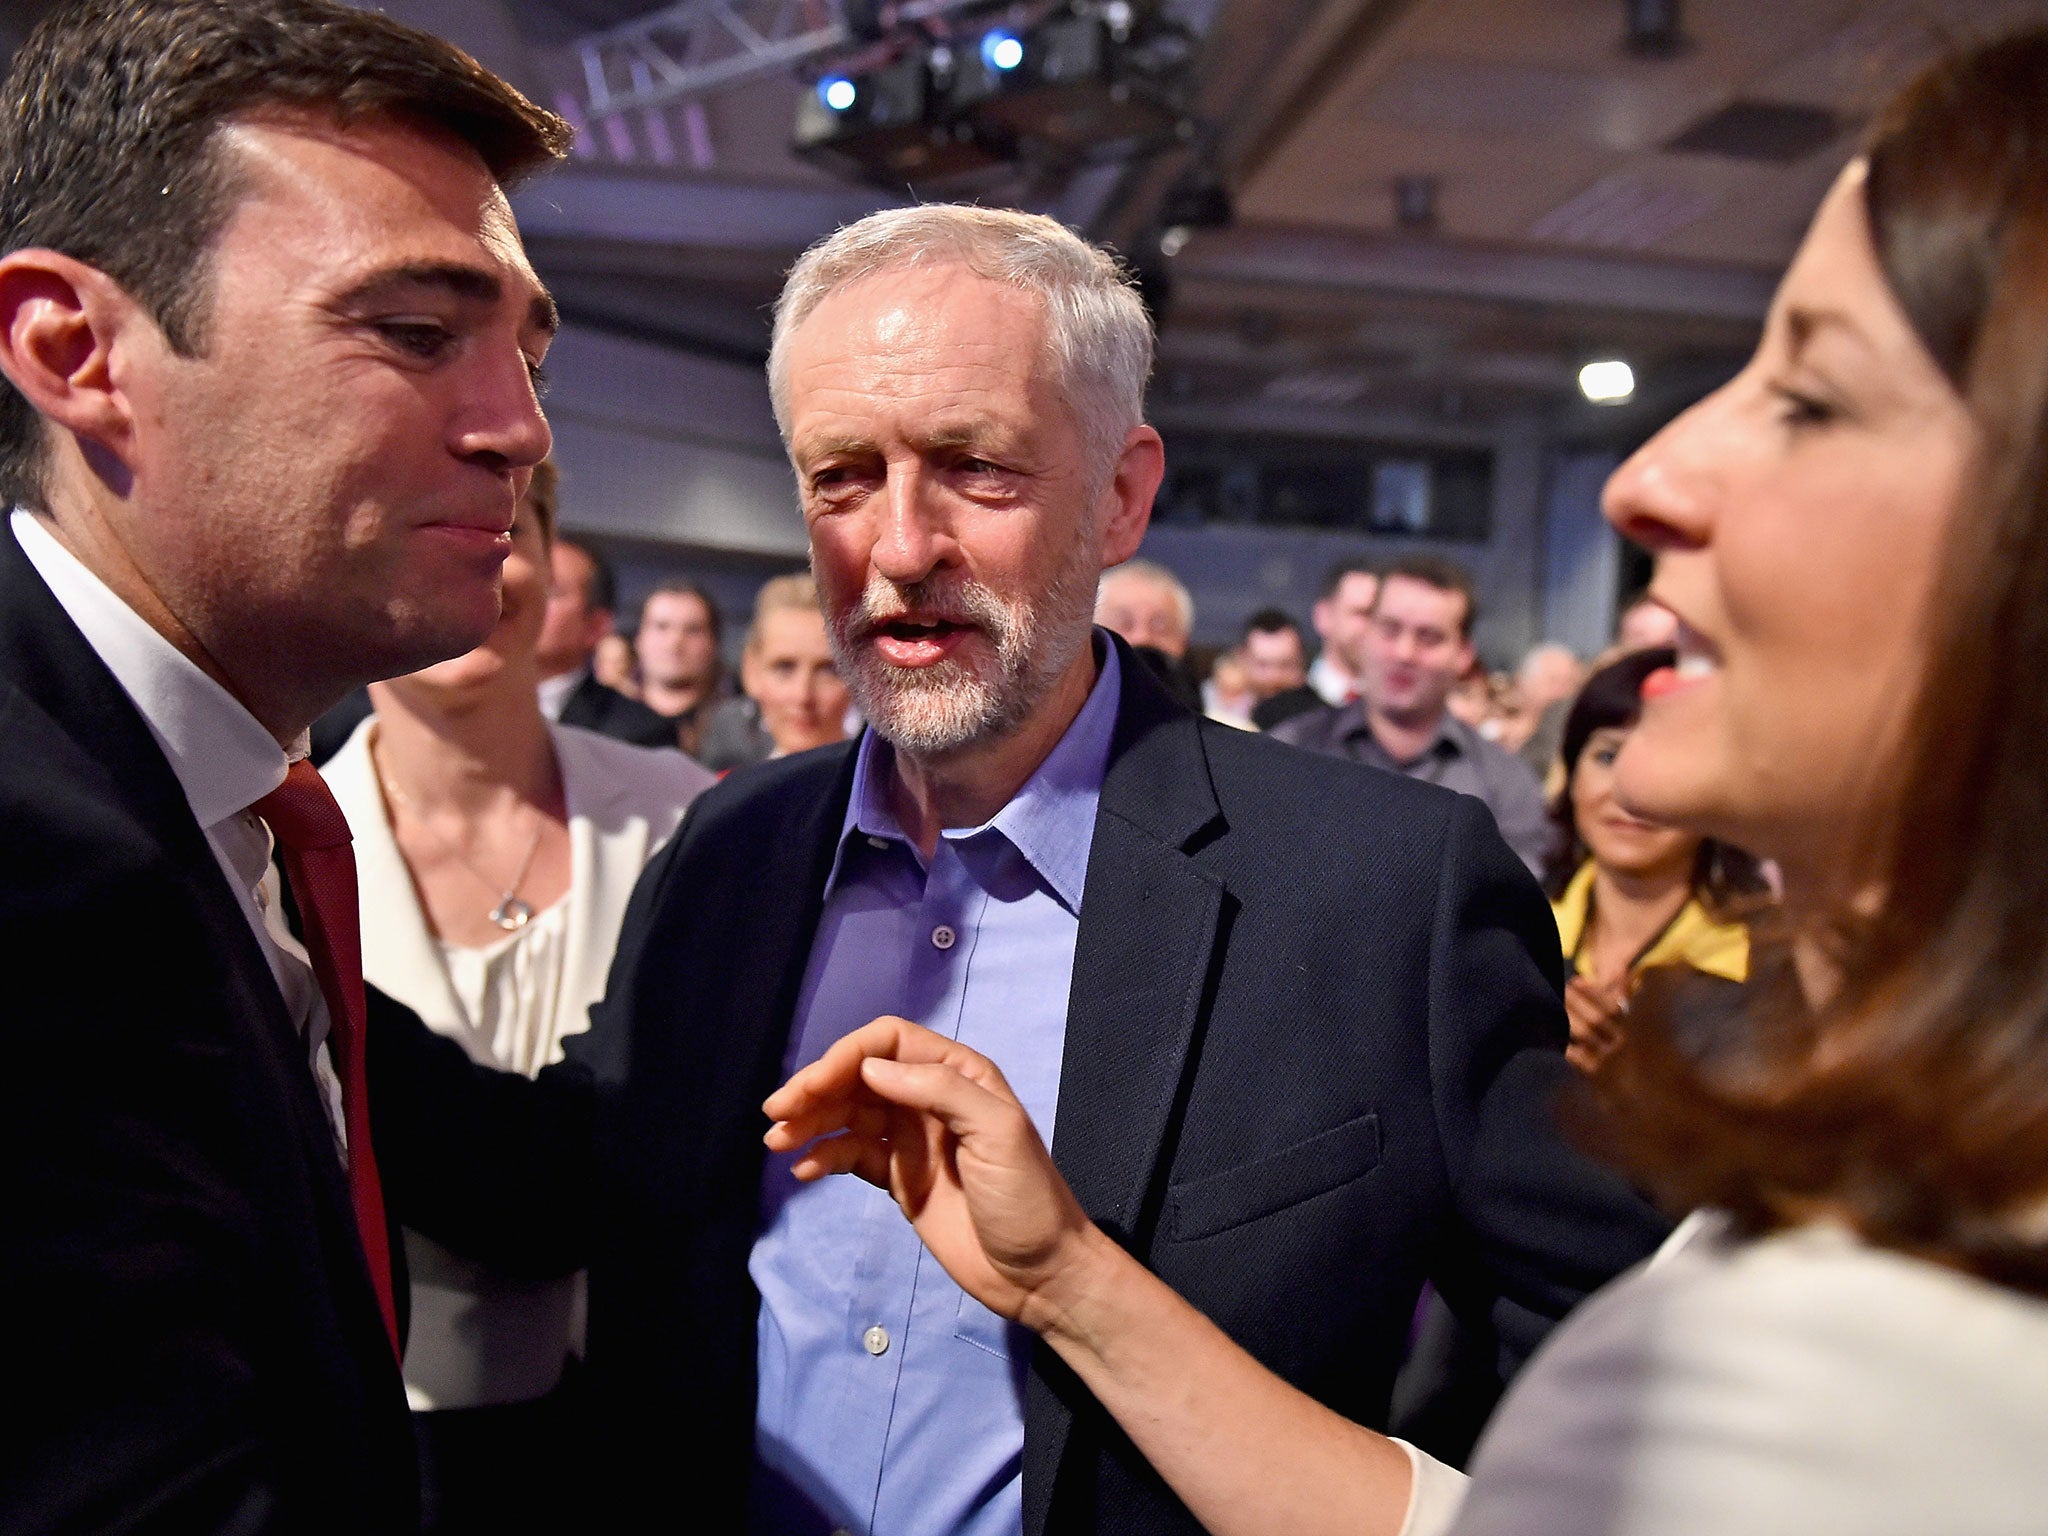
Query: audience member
{"type": "Point", "coordinates": [1854, 531]}
{"type": "Point", "coordinates": [1341, 617]}
{"type": "Point", "coordinates": [793, 697]}
{"type": "Point", "coordinates": [1632, 895]}
{"type": "Point", "coordinates": [270, 336]}
{"type": "Point", "coordinates": [1270, 1000]}
{"type": "Point", "coordinates": [676, 644]}
{"type": "Point", "coordinates": [612, 663]}
{"type": "Point", "coordinates": [1419, 645]}
{"type": "Point", "coordinates": [1148, 605]}
{"type": "Point", "coordinates": [1645, 623]}
{"type": "Point", "coordinates": [494, 855]}
{"type": "Point", "coordinates": [1273, 654]}
{"type": "Point", "coordinates": [582, 596]}
{"type": "Point", "coordinates": [1227, 692]}
{"type": "Point", "coordinates": [1545, 683]}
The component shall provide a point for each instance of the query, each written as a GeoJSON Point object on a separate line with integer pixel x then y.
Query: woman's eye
{"type": "Point", "coordinates": [537, 375]}
{"type": "Point", "coordinates": [1605, 755]}
{"type": "Point", "coordinates": [1799, 410]}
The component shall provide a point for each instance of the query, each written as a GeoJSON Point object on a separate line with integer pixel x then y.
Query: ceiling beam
{"type": "Point", "coordinates": [1396, 264]}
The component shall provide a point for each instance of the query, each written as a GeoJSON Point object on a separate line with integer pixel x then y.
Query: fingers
{"type": "Point", "coordinates": [816, 1100]}
{"type": "Point", "coordinates": [964, 1107]}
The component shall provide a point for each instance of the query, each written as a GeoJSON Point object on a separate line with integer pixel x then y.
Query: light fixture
{"type": "Point", "coordinates": [837, 92]}
{"type": "Point", "coordinates": [1608, 381]}
{"type": "Point", "coordinates": [1002, 50]}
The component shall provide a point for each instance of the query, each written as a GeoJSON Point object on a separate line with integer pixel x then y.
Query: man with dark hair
{"type": "Point", "coordinates": [1340, 617]}
{"type": "Point", "coordinates": [270, 337]}
{"type": "Point", "coordinates": [677, 647]}
{"type": "Point", "coordinates": [582, 598]}
{"type": "Point", "coordinates": [1274, 655]}
{"type": "Point", "coordinates": [1419, 645]}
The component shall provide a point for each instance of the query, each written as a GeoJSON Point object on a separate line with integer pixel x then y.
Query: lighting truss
{"type": "Point", "coordinates": [687, 51]}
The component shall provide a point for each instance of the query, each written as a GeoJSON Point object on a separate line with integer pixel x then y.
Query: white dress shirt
{"type": "Point", "coordinates": [555, 691]}
{"type": "Point", "coordinates": [224, 761]}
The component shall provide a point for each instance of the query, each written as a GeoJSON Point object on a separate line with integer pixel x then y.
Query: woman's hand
{"type": "Point", "coordinates": [1595, 1011]}
{"type": "Point", "coordinates": [935, 1124]}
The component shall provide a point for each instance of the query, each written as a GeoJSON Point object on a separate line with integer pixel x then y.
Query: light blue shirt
{"type": "Point", "coordinates": [891, 1402]}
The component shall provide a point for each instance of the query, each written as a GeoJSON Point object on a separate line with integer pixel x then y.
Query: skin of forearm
{"type": "Point", "coordinates": [1247, 1453]}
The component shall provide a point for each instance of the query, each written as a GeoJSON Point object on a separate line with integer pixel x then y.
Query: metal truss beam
{"type": "Point", "coordinates": [689, 50]}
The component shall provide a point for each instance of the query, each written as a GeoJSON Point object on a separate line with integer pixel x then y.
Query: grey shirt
{"type": "Point", "coordinates": [1458, 758]}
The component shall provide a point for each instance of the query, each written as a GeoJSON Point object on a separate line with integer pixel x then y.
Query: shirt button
{"type": "Point", "coordinates": [943, 937]}
{"type": "Point", "coordinates": [878, 842]}
{"type": "Point", "coordinates": [876, 1340]}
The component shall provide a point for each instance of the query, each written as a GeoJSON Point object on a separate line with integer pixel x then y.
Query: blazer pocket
{"type": "Point", "coordinates": [1309, 1168]}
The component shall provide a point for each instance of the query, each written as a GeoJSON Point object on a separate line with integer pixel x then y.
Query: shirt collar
{"type": "Point", "coordinates": [1050, 820]}
{"type": "Point", "coordinates": [225, 761]}
{"type": "Point", "coordinates": [1453, 737]}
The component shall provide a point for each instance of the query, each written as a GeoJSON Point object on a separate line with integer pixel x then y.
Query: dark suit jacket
{"type": "Point", "coordinates": [610, 713]}
{"type": "Point", "coordinates": [1311, 1051]}
{"type": "Point", "coordinates": [195, 1344]}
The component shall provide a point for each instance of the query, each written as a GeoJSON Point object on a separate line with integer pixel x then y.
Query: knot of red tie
{"type": "Point", "coordinates": [302, 811]}
{"type": "Point", "coordinates": [319, 861]}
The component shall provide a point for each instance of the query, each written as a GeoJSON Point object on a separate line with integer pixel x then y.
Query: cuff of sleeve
{"type": "Point", "coordinates": [1435, 1492]}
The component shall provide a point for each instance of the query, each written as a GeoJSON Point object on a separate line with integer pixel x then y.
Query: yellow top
{"type": "Point", "coordinates": [1692, 939]}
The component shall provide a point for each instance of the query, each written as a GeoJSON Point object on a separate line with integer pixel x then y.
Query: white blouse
{"type": "Point", "coordinates": [511, 993]}
{"type": "Point", "coordinates": [1804, 1384]}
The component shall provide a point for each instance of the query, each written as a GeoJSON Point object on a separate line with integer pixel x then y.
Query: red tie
{"type": "Point", "coordinates": [313, 837]}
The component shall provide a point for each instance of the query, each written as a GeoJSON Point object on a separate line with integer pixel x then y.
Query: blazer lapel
{"type": "Point", "coordinates": [1149, 921]}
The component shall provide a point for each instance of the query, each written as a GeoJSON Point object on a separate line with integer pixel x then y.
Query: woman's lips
{"type": "Point", "coordinates": [1698, 660]}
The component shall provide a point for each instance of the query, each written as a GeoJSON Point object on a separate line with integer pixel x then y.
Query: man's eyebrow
{"type": "Point", "coordinates": [472, 283]}
{"type": "Point", "coordinates": [825, 447]}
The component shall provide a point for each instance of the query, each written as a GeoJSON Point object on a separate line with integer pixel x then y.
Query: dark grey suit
{"type": "Point", "coordinates": [195, 1346]}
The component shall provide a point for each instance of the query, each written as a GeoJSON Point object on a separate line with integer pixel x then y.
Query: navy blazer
{"type": "Point", "coordinates": [1312, 1046]}
{"type": "Point", "coordinates": [196, 1345]}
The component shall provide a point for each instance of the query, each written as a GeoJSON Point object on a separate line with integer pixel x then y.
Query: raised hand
{"type": "Point", "coordinates": [935, 1124]}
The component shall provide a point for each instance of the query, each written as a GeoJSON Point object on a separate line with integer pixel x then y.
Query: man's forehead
{"type": "Point", "coordinates": [411, 192]}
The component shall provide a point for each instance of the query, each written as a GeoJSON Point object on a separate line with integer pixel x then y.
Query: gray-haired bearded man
{"type": "Point", "coordinates": [1289, 1025]}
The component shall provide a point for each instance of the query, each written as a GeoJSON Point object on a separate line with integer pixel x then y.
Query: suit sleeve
{"type": "Point", "coordinates": [489, 1164]}
{"type": "Point", "coordinates": [1540, 1225]}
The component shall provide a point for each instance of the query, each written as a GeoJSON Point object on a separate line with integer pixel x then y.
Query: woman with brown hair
{"type": "Point", "coordinates": [1853, 534]}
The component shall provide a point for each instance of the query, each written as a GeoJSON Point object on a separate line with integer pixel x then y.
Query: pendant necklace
{"type": "Point", "coordinates": [512, 912]}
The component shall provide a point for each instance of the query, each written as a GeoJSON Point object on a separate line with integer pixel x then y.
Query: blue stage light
{"type": "Point", "coordinates": [837, 92]}
{"type": "Point", "coordinates": [1001, 50]}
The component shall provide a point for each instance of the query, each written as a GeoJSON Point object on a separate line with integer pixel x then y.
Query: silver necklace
{"type": "Point", "coordinates": [512, 912]}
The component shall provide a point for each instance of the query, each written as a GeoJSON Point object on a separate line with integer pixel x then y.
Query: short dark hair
{"type": "Point", "coordinates": [110, 149]}
{"type": "Point", "coordinates": [1445, 576]}
{"type": "Point", "coordinates": [676, 586]}
{"type": "Point", "coordinates": [602, 589]}
{"type": "Point", "coordinates": [1344, 568]}
{"type": "Point", "coordinates": [1269, 621]}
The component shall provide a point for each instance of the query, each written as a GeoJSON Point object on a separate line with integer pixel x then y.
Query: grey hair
{"type": "Point", "coordinates": [1160, 577]}
{"type": "Point", "coordinates": [1097, 333]}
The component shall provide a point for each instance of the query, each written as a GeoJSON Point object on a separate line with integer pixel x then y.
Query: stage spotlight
{"type": "Point", "coordinates": [1608, 381]}
{"type": "Point", "coordinates": [1002, 50]}
{"type": "Point", "coordinates": [837, 92]}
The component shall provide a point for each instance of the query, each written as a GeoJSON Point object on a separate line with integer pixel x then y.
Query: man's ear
{"type": "Point", "coordinates": [59, 319]}
{"type": "Point", "coordinates": [1139, 469]}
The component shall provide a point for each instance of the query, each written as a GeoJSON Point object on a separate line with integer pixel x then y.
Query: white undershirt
{"type": "Point", "coordinates": [225, 762]}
